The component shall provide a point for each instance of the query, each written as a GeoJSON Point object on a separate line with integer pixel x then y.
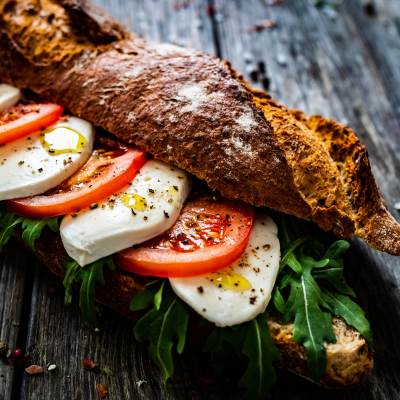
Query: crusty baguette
{"type": "Point", "coordinates": [192, 110]}
{"type": "Point", "coordinates": [349, 361]}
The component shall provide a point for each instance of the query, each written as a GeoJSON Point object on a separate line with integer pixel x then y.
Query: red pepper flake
{"type": "Point", "coordinates": [9, 362]}
{"type": "Point", "coordinates": [50, 290]}
{"type": "Point", "coordinates": [102, 391]}
{"type": "Point", "coordinates": [266, 24]}
{"type": "Point", "coordinates": [210, 10]}
{"type": "Point", "coordinates": [34, 369]}
{"type": "Point", "coordinates": [207, 378]}
{"type": "Point", "coordinates": [176, 6]}
{"type": "Point", "coordinates": [88, 364]}
{"type": "Point", "coordinates": [19, 356]}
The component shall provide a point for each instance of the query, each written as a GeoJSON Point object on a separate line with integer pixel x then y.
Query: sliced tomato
{"type": "Point", "coordinates": [112, 166]}
{"type": "Point", "coordinates": [210, 234]}
{"type": "Point", "coordinates": [23, 120]}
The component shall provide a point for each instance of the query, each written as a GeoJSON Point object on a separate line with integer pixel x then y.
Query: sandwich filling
{"type": "Point", "coordinates": [115, 206]}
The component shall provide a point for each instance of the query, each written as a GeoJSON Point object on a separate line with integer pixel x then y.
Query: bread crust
{"type": "Point", "coordinates": [367, 206]}
{"type": "Point", "coordinates": [349, 361]}
{"type": "Point", "coordinates": [194, 111]}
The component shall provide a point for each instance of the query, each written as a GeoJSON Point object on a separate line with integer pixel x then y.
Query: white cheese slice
{"type": "Point", "coordinates": [240, 292]}
{"type": "Point", "coordinates": [28, 168]}
{"type": "Point", "coordinates": [9, 96]}
{"type": "Point", "coordinates": [139, 212]}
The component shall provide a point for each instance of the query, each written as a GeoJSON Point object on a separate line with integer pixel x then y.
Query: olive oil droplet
{"type": "Point", "coordinates": [230, 281]}
{"type": "Point", "coordinates": [63, 140]}
{"type": "Point", "coordinates": [134, 201]}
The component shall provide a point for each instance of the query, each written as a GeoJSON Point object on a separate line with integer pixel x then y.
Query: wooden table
{"type": "Point", "coordinates": [342, 65]}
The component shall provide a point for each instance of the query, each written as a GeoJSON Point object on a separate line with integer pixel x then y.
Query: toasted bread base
{"type": "Point", "coordinates": [194, 111]}
{"type": "Point", "coordinates": [350, 359]}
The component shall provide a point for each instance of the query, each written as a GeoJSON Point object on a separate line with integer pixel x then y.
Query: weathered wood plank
{"type": "Point", "coordinates": [323, 66]}
{"type": "Point", "coordinates": [15, 273]}
{"type": "Point", "coordinates": [161, 21]}
{"type": "Point", "coordinates": [380, 33]}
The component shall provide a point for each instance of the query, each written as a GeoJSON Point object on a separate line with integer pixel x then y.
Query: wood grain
{"type": "Point", "coordinates": [16, 274]}
{"type": "Point", "coordinates": [344, 68]}
{"type": "Point", "coordinates": [60, 336]}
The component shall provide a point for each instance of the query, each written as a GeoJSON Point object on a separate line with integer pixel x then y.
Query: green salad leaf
{"type": "Point", "coordinates": [72, 268]}
{"type": "Point", "coordinates": [252, 343]}
{"type": "Point", "coordinates": [31, 227]}
{"type": "Point", "coordinates": [350, 312]}
{"type": "Point", "coordinates": [333, 272]}
{"type": "Point", "coordinates": [261, 351]}
{"type": "Point", "coordinates": [8, 223]}
{"type": "Point", "coordinates": [219, 348]}
{"type": "Point", "coordinates": [310, 327]}
{"type": "Point", "coordinates": [163, 326]}
{"type": "Point", "coordinates": [311, 301]}
{"type": "Point", "coordinates": [145, 299]}
{"type": "Point", "coordinates": [278, 300]}
{"type": "Point", "coordinates": [89, 275]}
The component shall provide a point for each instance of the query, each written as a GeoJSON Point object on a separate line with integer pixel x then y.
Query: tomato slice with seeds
{"type": "Point", "coordinates": [22, 120]}
{"type": "Point", "coordinates": [112, 166]}
{"type": "Point", "coordinates": [210, 233]}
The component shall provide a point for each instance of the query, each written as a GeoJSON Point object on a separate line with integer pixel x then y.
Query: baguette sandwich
{"type": "Point", "coordinates": [155, 180]}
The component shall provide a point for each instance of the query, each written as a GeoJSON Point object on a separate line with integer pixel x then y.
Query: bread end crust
{"type": "Point", "coordinates": [373, 221]}
{"type": "Point", "coordinates": [349, 360]}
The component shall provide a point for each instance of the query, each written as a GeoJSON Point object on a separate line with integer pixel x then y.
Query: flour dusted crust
{"type": "Point", "coordinates": [349, 360]}
{"type": "Point", "coordinates": [194, 111]}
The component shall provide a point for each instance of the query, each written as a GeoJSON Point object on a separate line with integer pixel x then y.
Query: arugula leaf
{"type": "Point", "coordinates": [253, 344]}
{"type": "Point", "coordinates": [33, 228]}
{"type": "Point", "coordinates": [90, 275]}
{"type": "Point", "coordinates": [288, 228]}
{"type": "Point", "coordinates": [287, 255]}
{"type": "Point", "coordinates": [158, 296]}
{"type": "Point", "coordinates": [350, 312]}
{"type": "Point", "coordinates": [292, 262]}
{"type": "Point", "coordinates": [8, 223]}
{"type": "Point", "coordinates": [219, 348]}
{"type": "Point", "coordinates": [72, 268]}
{"type": "Point", "coordinates": [3, 209]}
{"type": "Point", "coordinates": [277, 299]}
{"type": "Point", "coordinates": [145, 298]}
{"type": "Point", "coordinates": [310, 324]}
{"type": "Point", "coordinates": [334, 269]}
{"type": "Point", "coordinates": [236, 335]}
{"type": "Point", "coordinates": [261, 351]}
{"type": "Point", "coordinates": [163, 327]}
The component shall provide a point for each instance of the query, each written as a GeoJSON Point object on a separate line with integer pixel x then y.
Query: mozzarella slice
{"type": "Point", "coordinates": [39, 162]}
{"type": "Point", "coordinates": [9, 96]}
{"type": "Point", "coordinates": [240, 292]}
{"type": "Point", "coordinates": [139, 212]}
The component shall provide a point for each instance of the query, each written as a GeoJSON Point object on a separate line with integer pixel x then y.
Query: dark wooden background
{"type": "Point", "coordinates": [343, 65]}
